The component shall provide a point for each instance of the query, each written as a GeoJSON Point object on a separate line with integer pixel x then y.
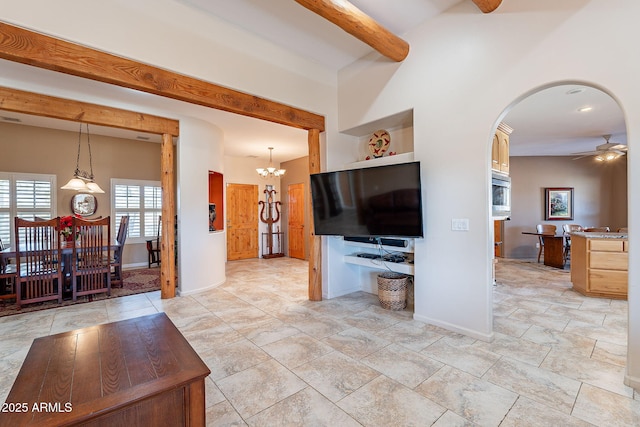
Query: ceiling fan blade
{"type": "Point", "coordinates": [581, 156]}
{"type": "Point", "coordinates": [586, 153]}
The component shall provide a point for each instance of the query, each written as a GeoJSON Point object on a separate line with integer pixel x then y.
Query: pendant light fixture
{"type": "Point", "coordinates": [270, 171]}
{"type": "Point", "coordinates": [83, 180]}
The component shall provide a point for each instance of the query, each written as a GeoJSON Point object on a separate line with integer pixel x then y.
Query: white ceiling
{"type": "Point", "coordinates": [546, 123]}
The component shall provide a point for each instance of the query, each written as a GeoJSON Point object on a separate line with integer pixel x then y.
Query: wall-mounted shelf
{"type": "Point", "coordinates": [408, 249]}
{"type": "Point", "coordinates": [381, 161]}
{"type": "Point", "coordinates": [398, 267]}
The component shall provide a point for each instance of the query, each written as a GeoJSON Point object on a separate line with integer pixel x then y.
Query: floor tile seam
{"type": "Point", "coordinates": [542, 369]}
{"type": "Point", "coordinates": [299, 391]}
{"type": "Point", "coordinates": [446, 408]}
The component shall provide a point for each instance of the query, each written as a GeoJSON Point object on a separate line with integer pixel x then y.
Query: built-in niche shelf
{"type": "Point", "coordinates": [382, 161]}
{"type": "Point", "coordinates": [400, 128]}
{"type": "Point", "coordinates": [398, 267]}
{"type": "Point", "coordinates": [374, 248]}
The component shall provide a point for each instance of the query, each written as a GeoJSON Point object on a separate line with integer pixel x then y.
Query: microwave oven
{"type": "Point", "coordinates": [501, 195]}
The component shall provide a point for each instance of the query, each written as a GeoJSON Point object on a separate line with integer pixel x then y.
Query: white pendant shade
{"type": "Point", "coordinates": [94, 188]}
{"type": "Point", "coordinates": [75, 184]}
{"type": "Point", "coordinates": [82, 180]}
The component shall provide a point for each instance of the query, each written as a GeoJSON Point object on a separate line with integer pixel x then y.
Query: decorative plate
{"type": "Point", "coordinates": [379, 143]}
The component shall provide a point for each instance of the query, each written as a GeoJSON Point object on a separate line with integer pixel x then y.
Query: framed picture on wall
{"type": "Point", "coordinates": [558, 203]}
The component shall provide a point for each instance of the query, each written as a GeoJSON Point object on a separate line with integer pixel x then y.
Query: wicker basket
{"type": "Point", "coordinates": [392, 291]}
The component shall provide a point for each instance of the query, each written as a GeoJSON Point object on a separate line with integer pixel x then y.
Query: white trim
{"type": "Point", "coordinates": [454, 328]}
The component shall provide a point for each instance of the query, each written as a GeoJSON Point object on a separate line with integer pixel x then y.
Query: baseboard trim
{"type": "Point", "coordinates": [135, 266]}
{"type": "Point", "coordinates": [454, 328]}
{"type": "Point", "coordinates": [340, 293]}
{"type": "Point", "coordinates": [632, 381]}
{"type": "Point", "coordinates": [198, 291]}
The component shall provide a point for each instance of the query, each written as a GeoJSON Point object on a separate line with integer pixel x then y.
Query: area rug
{"type": "Point", "coordinates": [135, 282]}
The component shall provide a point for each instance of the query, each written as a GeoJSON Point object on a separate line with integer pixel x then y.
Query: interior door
{"type": "Point", "coordinates": [242, 221]}
{"type": "Point", "coordinates": [296, 220]}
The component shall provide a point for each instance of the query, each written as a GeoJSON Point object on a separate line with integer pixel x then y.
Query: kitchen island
{"type": "Point", "coordinates": [599, 264]}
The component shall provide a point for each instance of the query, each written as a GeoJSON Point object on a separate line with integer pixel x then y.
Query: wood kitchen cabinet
{"type": "Point", "coordinates": [599, 264]}
{"type": "Point", "coordinates": [500, 149]}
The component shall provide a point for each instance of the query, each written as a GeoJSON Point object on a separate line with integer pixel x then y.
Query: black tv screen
{"type": "Point", "coordinates": [382, 201]}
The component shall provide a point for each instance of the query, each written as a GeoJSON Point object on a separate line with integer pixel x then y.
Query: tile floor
{"type": "Point", "coordinates": [277, 359]}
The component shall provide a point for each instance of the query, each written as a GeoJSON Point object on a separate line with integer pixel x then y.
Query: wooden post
{"type": "Point", "coordinates": [167, 241]}
{"type": "Point", "coordinates": [315, 248]}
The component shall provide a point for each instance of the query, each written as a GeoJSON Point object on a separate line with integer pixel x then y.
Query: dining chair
{"type": "Point", "coordinates": [8, 275]}
{"type": "Point", "coordinates": [568, 229]}
{"type": "Point", "coordinates": [116, 263]}
{"type": "Point", "coordinates": [38, 272]}
{"type": "Point", "coordinates": [91, 257]}
{"type": "Point", "coordinates": [597, 229]}
{"type": "Point", "coordinates": [544, 229]}
{"type": "Point", "coordinates": [153, 246]}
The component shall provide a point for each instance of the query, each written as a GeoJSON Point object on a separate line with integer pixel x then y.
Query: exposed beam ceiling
{"type": "Point", "coordinates": [360, 25]}
{"type": "Point", "coordinates": [48, 106]}
{"type": "Point", "coordinates": [487, 6]}
{"type": "Point", "coordinates": [27, 47]}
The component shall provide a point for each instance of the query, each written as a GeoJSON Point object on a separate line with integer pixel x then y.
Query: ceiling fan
{"type": "Point", "coordinates": [605, 152]}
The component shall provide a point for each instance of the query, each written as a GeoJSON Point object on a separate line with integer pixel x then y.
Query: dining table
{"type": "Point", "coordinates": [66, 249]}
{"type": "Point", "coordinates": [553, 254]}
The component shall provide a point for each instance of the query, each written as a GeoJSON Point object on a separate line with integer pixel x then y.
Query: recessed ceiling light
{"type": "Point", "coordinates": [575, 90]}
{"type": "Point", "coordinates": [585, 109]}
{"type": "Point", "coordinates": [11, 119]}
{"type": "Point", "coordinates": [144, 138]}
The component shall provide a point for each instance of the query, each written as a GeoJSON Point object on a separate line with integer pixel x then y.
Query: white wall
{"type": "Point", "coordinates": [201, 254]}
{"type": "Point", "coordinates": [464, 70]}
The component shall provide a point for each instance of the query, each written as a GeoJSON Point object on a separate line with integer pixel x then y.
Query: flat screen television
{"type": "Point", "coordinates": [382, 201]}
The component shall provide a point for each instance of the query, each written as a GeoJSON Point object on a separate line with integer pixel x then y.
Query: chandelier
{"type": "Point", "coordinates": [83, 180]}
{"type": "Point", "coordinates": [270, 171]}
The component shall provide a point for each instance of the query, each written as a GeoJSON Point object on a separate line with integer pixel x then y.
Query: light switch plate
{"type": "Point", "coordinates": [460, 224]}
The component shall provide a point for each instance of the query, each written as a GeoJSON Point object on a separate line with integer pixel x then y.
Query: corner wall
{"type": "Point", "coordinates": [201, 254]}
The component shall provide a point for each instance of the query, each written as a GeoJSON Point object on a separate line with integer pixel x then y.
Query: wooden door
{"type": "Point", "coordinates": [296, 220]}
{"type": "Point", "coordinates": [242, 221]}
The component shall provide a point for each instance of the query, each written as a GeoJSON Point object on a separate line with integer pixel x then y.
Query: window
{"type": "Point", "coordinates": [26, 196]}
{"type": "Point", "coordinates": [142, 201]}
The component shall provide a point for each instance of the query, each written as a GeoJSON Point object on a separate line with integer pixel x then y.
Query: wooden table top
{"type": "Point", "coordinates": [81, 373]}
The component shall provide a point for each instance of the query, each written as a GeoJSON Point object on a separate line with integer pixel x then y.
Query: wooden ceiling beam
{"type": "Point", "coordinates": [19, 101]}
{"type": "Point", "coordinates": [27, 47]}
{"type": "Point", "coordinates": [487, 6]}
{"type": "Point", "coordinates": [360, 25]}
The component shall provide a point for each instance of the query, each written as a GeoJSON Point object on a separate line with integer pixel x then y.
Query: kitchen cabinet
{"type": "Point", "coordinates": [500, 149]}
{"type": "Point", "coordinates": [599, 264]}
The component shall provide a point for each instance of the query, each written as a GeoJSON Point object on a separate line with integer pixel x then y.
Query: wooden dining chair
{"type": "Point", "coordinates": [153, 246]}
{"type": "Point", "coordinates": [568, 229]}
{"type": "Point", "coordinates": [38, 272]}
{"type": "Point", "coordinates": [8, 273]}
{"type": "Point", "coordinates": [597, 229]}
{"type": "Point", "coordinates": [116, 262]}
{"type": "Point", "coordinates": [544, 229]}
{"type": "Point", "coordinates": [91, 258]}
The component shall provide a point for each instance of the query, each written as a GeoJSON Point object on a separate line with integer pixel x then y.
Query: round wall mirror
{"type": "Point", "coordinates": [84, 204]}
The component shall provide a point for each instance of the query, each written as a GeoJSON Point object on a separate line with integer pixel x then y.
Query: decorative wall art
{"type": "Point", "coordinates": [379, 143]}
{"type": "Point", "coordinates": [558, 203]}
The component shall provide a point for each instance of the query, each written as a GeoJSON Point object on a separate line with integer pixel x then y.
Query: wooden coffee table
{"type": "Point", "coordinates": [137, 372]}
